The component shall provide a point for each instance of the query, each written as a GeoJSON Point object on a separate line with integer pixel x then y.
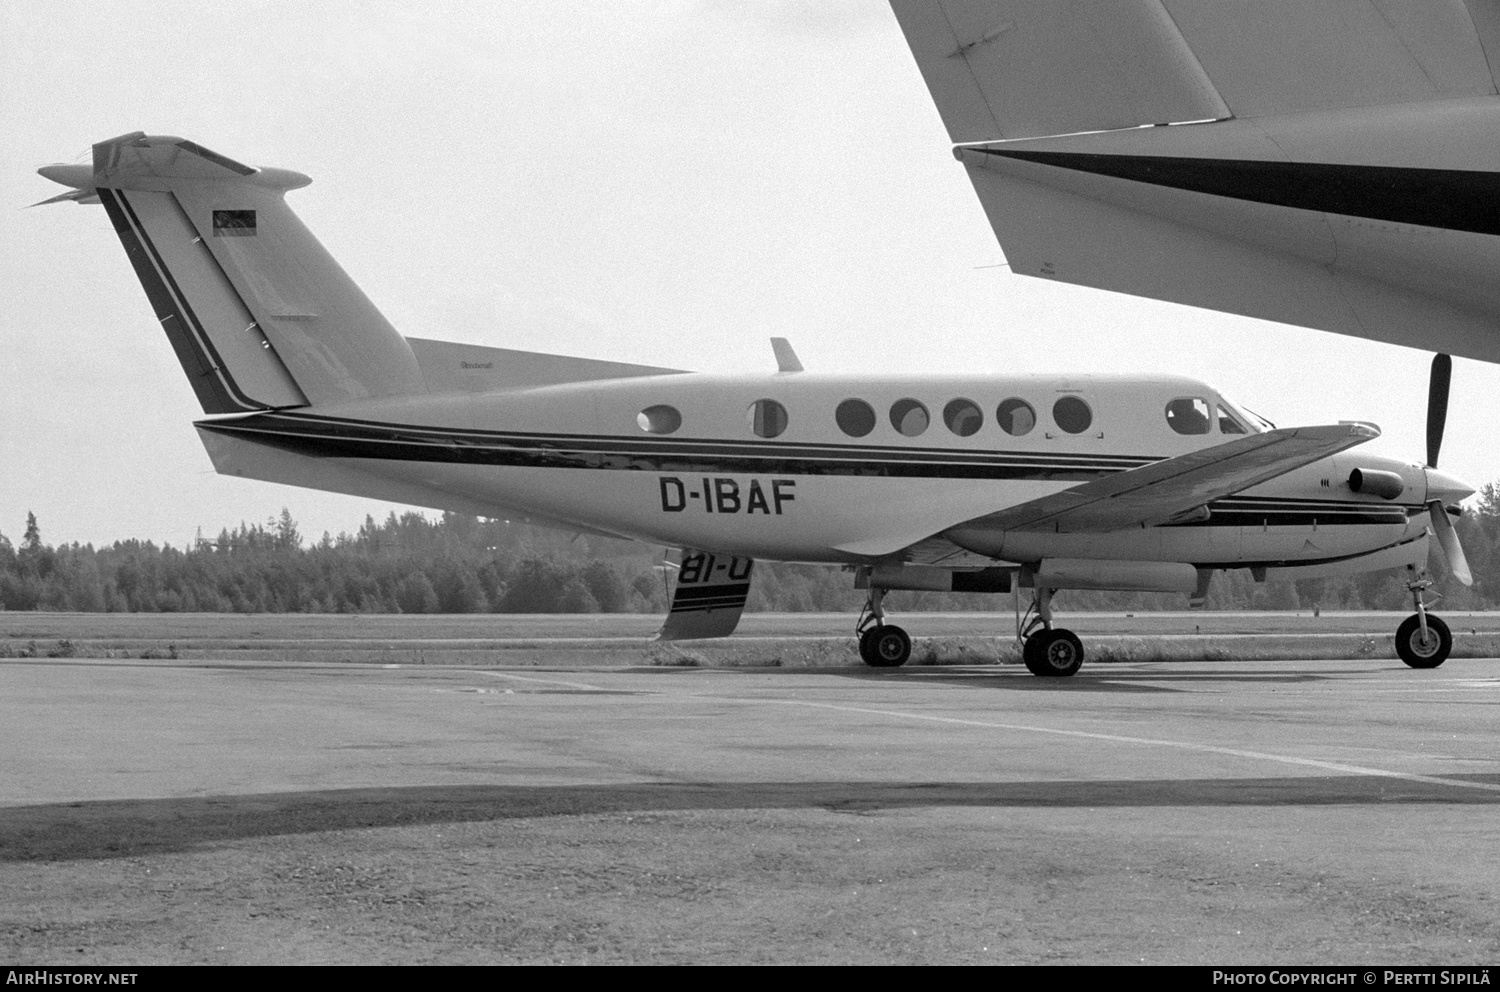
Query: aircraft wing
{"type": "Point", "coordinates": [1006, 69]}
{"type": "Point", "coordinates": [1171, 489]}
{"type": "Point", "coordinates": [1333, 167]}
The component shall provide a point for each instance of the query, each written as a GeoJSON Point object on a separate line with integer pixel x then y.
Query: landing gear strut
{"type": "Point", "coordinates": [881, 644]}
{"type": "Point", "coordinates": [1422, 640]}
{"type": "Point", "coordinates": [1047, 650]}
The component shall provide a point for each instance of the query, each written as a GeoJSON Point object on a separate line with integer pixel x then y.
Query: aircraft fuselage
{"type": "Point", "coordinates": [854, 468]}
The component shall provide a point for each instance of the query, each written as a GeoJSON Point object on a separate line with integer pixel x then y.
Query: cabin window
{"type": "Point", "coordinates": [1072, 414]}
{"type": "Point", "coordinates": [1188, 415]}
{"type": "Point", "coordinates": [1016, 417]}
{"type": "Point", "coordinates": [661, 419]}
{"type": "Point", "coordinates": [963, 417]}
{"type": "Point", "coordinates": [1228, 424]}
{"type": "Point", "coordinates": [855, 417]}
{"type": "Point", "coordinates": [909, 417]}
{"type": "Point", "coordinates": [767, 418]}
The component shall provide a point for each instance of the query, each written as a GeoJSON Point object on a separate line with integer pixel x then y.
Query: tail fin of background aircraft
{"type": "Point", "coordinates": [1007, 69]}
{"type": "Point", "coordinates": [258, 312]}
{"type": "Point", "coordinates": [1338, 172]}
{"type": "Point", "coordinates": [1004, 69]}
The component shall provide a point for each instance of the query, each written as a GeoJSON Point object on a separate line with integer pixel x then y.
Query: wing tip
{"type": "Point", "coordinates": [1361, 429]}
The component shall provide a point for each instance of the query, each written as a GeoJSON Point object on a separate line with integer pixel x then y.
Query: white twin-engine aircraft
{"type": "Point", "coordinates": [977, 483]}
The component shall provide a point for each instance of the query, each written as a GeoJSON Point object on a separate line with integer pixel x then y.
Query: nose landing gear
{"type": "Point", "coordinates": [1422, 640]}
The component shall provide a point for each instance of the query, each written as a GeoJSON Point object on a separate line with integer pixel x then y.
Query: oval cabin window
{"type": "Point", "coordinates": [1072, 414]}
{"type": "Point", "coordinates": [1016, 417]}
{"type": "Point", "coordinates": [660, 419]}
{"type": "Point", "coordinates": [767, 418]}
{"type": "Point", "coordinates": [963, 417]}
{"type": "Point", "coordinates": [909, 417]}
{"type": "Point", "coordinates": [855, 417]}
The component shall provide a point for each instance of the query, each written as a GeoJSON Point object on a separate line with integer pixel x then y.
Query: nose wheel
{"type": "Point", "coordinates": [1423, 648]}
{"type": "Point", "coordinates": [1422, 640]}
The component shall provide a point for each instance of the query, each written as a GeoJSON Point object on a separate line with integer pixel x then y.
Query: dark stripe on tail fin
{"type": "Point", "coordinates": [211, 382]}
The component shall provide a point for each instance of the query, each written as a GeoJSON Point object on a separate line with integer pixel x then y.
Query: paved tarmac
{"type": "Point", "coordinates": [1361, 777]}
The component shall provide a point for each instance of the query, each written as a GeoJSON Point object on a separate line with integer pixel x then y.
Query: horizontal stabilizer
{"type": "Point", "coordinates": [709, 598]}
{"type": "Point", "coordinates": [454, 367]}
{"type": "Point", "coordinates": [86, 195]}
{"type": "Point", "coordinates": [1384, 253]}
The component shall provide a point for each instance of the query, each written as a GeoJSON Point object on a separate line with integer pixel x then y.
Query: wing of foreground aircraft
{"type": "Point", "coordinates": [1333, 164]}
{"type": "Point", "coordinates": [1166, 491]}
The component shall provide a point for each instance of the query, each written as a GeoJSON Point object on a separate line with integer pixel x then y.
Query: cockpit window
{"type": "Point", "coordinates": [1228, 424]}
{"type": "Point", "coordinates": [1189, 415]}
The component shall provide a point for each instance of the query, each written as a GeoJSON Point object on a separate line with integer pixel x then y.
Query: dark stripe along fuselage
{"type": "Point", "coordinates": [329, 437]}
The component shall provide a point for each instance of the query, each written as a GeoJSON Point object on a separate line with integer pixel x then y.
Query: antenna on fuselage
{"type": "Point", "coordinates": [786, 358]}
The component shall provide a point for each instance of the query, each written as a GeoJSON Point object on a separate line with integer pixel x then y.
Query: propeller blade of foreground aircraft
{"type": "Point", "coordinates": [1437, 405]}
{"type": "Point", "coordinates": [1448, 538]}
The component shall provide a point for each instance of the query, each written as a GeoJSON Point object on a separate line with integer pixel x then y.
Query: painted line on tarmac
{"type": "Point", "coordinates": [1332, 766]}
{"type": "Point", "coordinates": [529, 678]}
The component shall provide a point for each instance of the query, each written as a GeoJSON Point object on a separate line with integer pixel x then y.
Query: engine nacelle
{"type": "Point", "coordinates": [1387, 485]}
{"type": "Point", "coordinates": [930, 578]}
{"type": "Point", "coordinates": [1130, 576]}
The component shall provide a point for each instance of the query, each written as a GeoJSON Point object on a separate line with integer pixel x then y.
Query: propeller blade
{"type": "Point", "coordinates": [1437, 405]}
{"type": "Point", "coordinates": [1448, 538]}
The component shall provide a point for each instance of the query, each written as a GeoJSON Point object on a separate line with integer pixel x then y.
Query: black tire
{"type": "Point", "coordinates": [886, 646]}
{"type": "Point", "coordinates": [1031, 653]}
{"type": "Point", "coordinates": [1056, 652]}
{"type": "Point", "coordinates": [1413, 651]}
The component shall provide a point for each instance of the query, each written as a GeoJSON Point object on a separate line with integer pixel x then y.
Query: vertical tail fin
{"type": "Point", "coordinates": [258, 312]}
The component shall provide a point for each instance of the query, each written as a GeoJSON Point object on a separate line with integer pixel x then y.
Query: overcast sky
{"type": "Point", "coordinates": [666, 182]}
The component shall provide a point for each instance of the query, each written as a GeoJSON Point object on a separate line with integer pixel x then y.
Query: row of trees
{"type": "Point", "coordinates": [458, 564]}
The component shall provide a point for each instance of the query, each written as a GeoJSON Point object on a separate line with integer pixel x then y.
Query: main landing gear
{"type": "Point", "coordinates": [1422, 640]}
{"type": "Point", "coordinates": [1047, 650]}
{"type": "Point", "coordinates": [881, 644]}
